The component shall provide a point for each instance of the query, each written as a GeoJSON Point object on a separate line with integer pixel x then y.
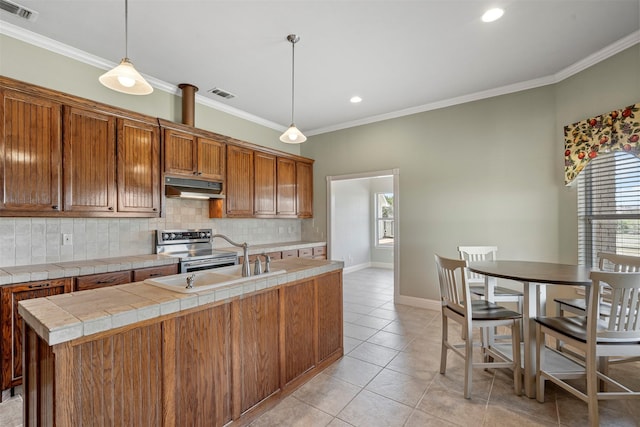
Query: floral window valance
{"type": "Point", "coordinates": [618, 130]}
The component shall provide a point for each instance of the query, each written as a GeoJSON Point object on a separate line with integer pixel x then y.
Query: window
{"type": "Point", "coordinates": [609, 207]}
{"type": "Point", "coordinates": [384, 219]}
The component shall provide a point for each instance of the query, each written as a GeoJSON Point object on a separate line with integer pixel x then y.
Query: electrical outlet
{"type": "Point", "coordinates": [67, 239]}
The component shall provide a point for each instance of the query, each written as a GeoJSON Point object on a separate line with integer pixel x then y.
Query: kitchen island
{"type": "Point", "coordinates": [138, 354]}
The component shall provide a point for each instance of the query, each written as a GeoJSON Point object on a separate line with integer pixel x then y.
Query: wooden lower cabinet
{"type": "Point", "coordinates": [101, 280]}
{"type": "Point", "coordinates": [141, 274]}
{"type": "Point", "coordinates": [299, 353]}
{"type": "Point", "coordinates": [11, 322]}
{"type": "Point", "coordinates": [197, 356]}
{"type": "Point", "coordinates": [257, 349]}
{"type": "Point", "coordinates": [206, 366]}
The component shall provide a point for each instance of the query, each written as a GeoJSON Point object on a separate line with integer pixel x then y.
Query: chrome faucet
{"type": "Point", "coordinates": [190, 280]}
{"type": "Point", "coordinates": [246, 267]}
{"type": "Point", "coordinates": [267, 263]}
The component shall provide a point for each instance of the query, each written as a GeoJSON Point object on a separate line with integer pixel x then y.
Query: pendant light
{"type": "Point", "coordinates": [293, 135]}
{"type": "Point", "coordinates": [124, 78]}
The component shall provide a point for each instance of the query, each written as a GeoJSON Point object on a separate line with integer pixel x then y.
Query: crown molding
{"type": "Point", "coordinates": [35, 39]}
{"type": "Point", "coordinates": [54, 46]}
{"type": "Point", "coordinates": [593, 59]}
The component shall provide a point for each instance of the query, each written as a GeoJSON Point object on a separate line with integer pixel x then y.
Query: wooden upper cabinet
{"type": "Point", "coordinates": [179, 153]}
{"type": "Point", "coordinates": [89, 149]}
{"type": "Point", "coordinates": [193, 156]}
{"type": "Point", "coordinates": [30, 153]}
{"type": "Point", "coordinates": [286, 187]}
{"type": "Point", "coordinates": [211, 159]}
{"type": "Point", "coordinates": [138, 167]}
{"type": "Point", "coordinates": [239, 181]}
{"type": "Point", "coordinates": [304, 182]}
{"type": "Point", "coordinates": [265, 184]}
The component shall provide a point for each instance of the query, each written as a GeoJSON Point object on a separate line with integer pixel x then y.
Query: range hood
{"type": "Point", "coordinates": [192, 188]}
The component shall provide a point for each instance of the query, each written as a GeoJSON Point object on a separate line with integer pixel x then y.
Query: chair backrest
{"type": "Point", "coordinates": [614, 262]}
{"type": "Point", "coordinates": [624, 322]}
{"type": "Point", "coordinates": [453, 286]}
{"type": "Point", "coordinates": [477, 253]}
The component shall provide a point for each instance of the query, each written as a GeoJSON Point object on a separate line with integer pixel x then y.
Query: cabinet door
{"type": "Point", "coordinates": [30, 157]}
{"type": "Point", "coordinates": [299, 326]}
{"type": "Point", "coordinates": [286, 187]}
{"type": "Point", "coordinates": [179, 153]}
{"type": "Point", "coordinates": [89, 161]}
{"type": "Point", "coordinates": [258, 348]}
{"type": "Point", "coordinates": [329, 315]}
{"type": "Point", "coordinates": [264, 201]}
{"type": "Point", "coordinates": [239, 182]}
{"type": "Point", "coordinates": [304, 181]}
{"type": "Point", "coordinates": [12, 322]}
{"type": "Point", "coordinates": [138, 167]}
{"type": "Point", "coordinates": [211, 159]}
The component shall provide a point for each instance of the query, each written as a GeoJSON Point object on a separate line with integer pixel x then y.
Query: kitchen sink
{"type": "Point", "coordinates": [208, 279]}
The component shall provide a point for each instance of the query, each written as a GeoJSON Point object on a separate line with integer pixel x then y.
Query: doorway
{"type": "Point", "coordinates": [363, 221]}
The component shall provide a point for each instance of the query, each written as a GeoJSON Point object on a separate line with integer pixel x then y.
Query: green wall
{"type": "Point", "coordinates": [485, 172]}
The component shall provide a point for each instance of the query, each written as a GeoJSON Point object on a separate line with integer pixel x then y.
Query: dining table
{"type": "Point", "coordinates": [534, 276]}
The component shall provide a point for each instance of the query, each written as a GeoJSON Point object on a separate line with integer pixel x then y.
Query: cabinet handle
{"type": "Point", "coordinates": [155, 275]}
{"type": "Point", "coordinates": [54, 207]}
{"type": "Point", "coordinates": [41, 285]}
{"type": "Point", "coordinates": [110, 208]}
{"type": "Point", "coordinates": [102, 282]}
{"type": "Point", "coordinates": [155, 209]}
{"type": "Point", "coordinates": [195, 173]}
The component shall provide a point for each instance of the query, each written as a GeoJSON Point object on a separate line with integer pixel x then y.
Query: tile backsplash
{"type": "Point", "coordinates": [39, 240]}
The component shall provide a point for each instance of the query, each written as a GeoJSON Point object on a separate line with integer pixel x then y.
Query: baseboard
{"type": "Point", "coordinates": [385, 265]}
{"type": "Point", "coordinates": [357, 267]}
{"type": "Point", "coordinates": [418, 302]}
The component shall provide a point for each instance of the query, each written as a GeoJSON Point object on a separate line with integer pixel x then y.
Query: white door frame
{"type": "Point", "coordinates": [395, 173]}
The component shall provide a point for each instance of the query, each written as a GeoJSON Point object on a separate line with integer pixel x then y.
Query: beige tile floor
{"type": "Point", "coordinates": [389, 377]}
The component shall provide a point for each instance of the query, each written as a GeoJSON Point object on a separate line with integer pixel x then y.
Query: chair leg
{"type": "Point", "coordinates": [559, 313]}
{"type": "Point", "coordinates": [443, 351]}
{"type": "Point", "coordinates": [468, 362]}
{"type": "Point", "coordinates": [539, 364]}
{"type": "Point", "coordinates": [592, 387]}
{"type": "Point", "coordinates": [515, 339]}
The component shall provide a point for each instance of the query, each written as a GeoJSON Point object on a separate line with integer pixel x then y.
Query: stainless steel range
{"type": "Point", "coordinates": [194, 249]}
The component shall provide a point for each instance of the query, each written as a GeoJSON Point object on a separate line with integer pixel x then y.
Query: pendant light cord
{"type": "Point", "coordinates": [126, 29]}
{"type": "Point", "coordinates": [293, 77]}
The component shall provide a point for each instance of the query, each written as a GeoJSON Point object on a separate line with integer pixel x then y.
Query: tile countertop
{"type": "Point", "coordinates": [271, 247]}
{"type": "Point", "coordinates": [28, 273]}
{"type": "Point", "coordinates": [61, 318]}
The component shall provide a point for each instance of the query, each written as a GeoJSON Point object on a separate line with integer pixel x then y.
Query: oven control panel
{"type": "Point", "coordinates": [168, 237]}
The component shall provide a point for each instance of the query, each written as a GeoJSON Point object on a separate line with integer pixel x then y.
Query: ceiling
{"type": "Point", "coordinates": [401, 57]}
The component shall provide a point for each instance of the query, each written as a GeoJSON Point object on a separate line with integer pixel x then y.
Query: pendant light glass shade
{"type": "Point", "coordinates": [124, 78]}
{"type": "Point", "coordinates": [293, 134]}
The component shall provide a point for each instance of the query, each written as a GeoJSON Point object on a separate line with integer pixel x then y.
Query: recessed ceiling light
{"type": "Point", "coordinates": [355, 99]}
{"type": "Point", "coordinates": [492, 15]}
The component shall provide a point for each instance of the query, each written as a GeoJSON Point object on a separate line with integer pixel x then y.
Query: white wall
{"type": "Point", "coordinates": [351, 240]}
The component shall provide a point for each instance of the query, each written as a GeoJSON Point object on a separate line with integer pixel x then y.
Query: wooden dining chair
{"type": "Point", "coordinates": [607, 261]}
{"type": "Point", "coordinates": [476, 281]}
{"type": "Point", "coordinates": [458, 306]}
{"type": "Point", "coordinates": [598, 339]}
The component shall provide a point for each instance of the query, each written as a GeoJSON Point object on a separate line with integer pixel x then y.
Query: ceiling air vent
{"type": "Point", "coordinates": [220, 92]}
{"type": "Point", "coordinates": [16, 9]}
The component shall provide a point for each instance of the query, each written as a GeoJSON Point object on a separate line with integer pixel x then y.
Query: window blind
{"type": "Point", "coordinates": [609, 207]}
